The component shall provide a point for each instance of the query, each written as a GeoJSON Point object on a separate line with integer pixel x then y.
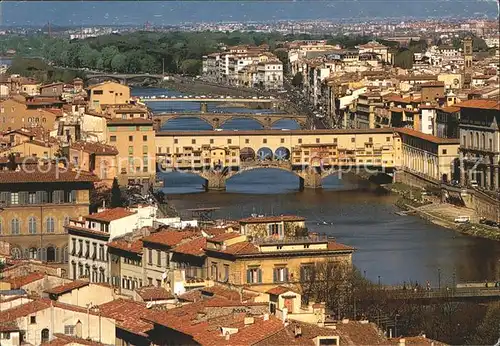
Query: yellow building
{"type": "Point", "coordinates": [37, 201]}
{"type": "Point", "coordinates": [187, 150]}
{"type": "Point", "coordinates": [107, 93]}
{"type": "Point", "coordinates": [135, 141]}
{"type": "Point", "coordinates": [96, 158]}
{"type": "Point", "coordinates": [15, 114]}
{"type": "Point", "coordinates": [34, 148]}
{"type": "Point", "coordinates": [263, 263]}
{"type": "Point", "coordinates": [428, 156]}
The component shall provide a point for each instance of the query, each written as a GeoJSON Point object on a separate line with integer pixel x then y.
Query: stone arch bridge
{"type": "Point", "coordinates": [216, 120]}
{"type": "Point", "coordinates": [122, 78]}
{"type": "Point", "coordinates": [309, 176]}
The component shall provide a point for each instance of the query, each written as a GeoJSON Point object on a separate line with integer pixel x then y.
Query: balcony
{"type": "Point", "coordinates": [311, 239]}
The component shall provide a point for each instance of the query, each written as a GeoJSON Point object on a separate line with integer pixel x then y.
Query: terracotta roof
{"type": "Point", "coordinates": [169, 237]}
{"type": "Point", "coordinates": [9, 326]}
{"type": "Point", "coordinates": [450, 109]}
{"type": "Point", "coordinates": [417, 340]}
{"type": "Point", "coordinates": [280, 290]}
{"type": "Point", "coordinates": [480, 104]}
{"type": "Point", "coordinates": [151, 293]}
{"type": "Point", "coordinates": [17, 282]}
{"type": "Point", "coordinates": [24, 310]}
{"type": "Point", "coordinates": [227, 293]}
{"type": "Point", "coordinates": [433, 84]}
{"type": "Point", "coordinates": [45, 175]}
{"type": "Point", "coordinates": [133, 246]}
{"type": "Point", "coordinates": [243, 248]}
{"type": "Point", "coordinates": [109, 215]}
{"type": "Point", "coordinates": [67, 287]}
{"type": "Point", "coordinates": [135, 121]}
{"type": "Point", "coordinates": [62, 340]}
{"type": "Point", "coordinates": [427, 137]}
{"type": "Point", "coordinates": [219, 238]}
{"type": "Point", "coordinates": [95, 148]}
{"type": "Point", "coordinates": [334, 246]}
{"type": "Point", "coordinates": [129, 315]}
{"type": "Point", "coordinates": [285, 218]}
{"type": "Point", "coordinates": [192, 247]}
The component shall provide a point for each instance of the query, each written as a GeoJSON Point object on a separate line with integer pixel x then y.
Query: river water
{"type": "Point", "coordinates": [396, 248]}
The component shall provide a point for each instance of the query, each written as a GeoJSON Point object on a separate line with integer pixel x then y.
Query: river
{"type": "Point", "coordinates": [396, 248]}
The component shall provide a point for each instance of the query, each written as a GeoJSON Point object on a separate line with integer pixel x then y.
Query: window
{"type": "Point", "coordinates": [317, 140]}
{"type": "Point", "coordinates": [31, 197]}
{"type": "Point", "coordinates": [32, 225]}
{"type": "Point", "coordinates": [254, 275]}
{"type": "Point", "coordinates": [353, 140]}
{"type": "Point", "coordinates": [193, 141]}
{"type": "Point", "coordinates": [176, 141]}
{"type": "Point", "coordinates": [491, 144]}
{"type": "Point", "coordinates": [158, 258]}
{"type": "Point", "coordinates": [264, 140]}
{"type": "Point", "coordinates": [144, 138]}
{"type": "Point", "coordinates": [280, 274]}
{"type": "Point", "coordinates": [158, 283]}
{"type": "Point", "coordinates": [229, 141]}
{"type": "Point", "coordinates": [150, 256]}
{"type": "Point", "coordinates": [112, 138]}
{"type": "Point", "coordinates": [49, 224]}
{"type": "Point", "coordinates": [275, 230]}
{"type": "Point", "coordinates": [69, 330]}
{"type": "Point", "coordinates": [247, 141]}
{"type": "Point", "coordinates": [150, 281]}
{"type": "Point", "coordinates": [214, 271]}
{"type": "Point", "coordinates": [300, 140]}
{"type": "Point", "coordinates": [333, 341]}
{"type": "Point", "coordinates": [282, 140]}
{"type": "Point", "coordinates": [387, 139]}
{"type": "Point", "coordinates": [226, 272]}
{"type": "Point", "coordinates": [14, 198]}
{"type": "Point", "coordinates": [97, 92]}
{"type": "Point", "coordinates": [211, 141]}
{"type": "Point", "coordinates": [101, 252]}
{"type": "Point", "coordinates": [14, 226]}
{"type": "Point", "coordinates": [5, 335]}
{"type": "Point", "coordinates": [306, 272]}
{"type": "Point", "coordinates": [130, 138]}
{"type": "Point", "coordinates": [144, 149]}
{"type": "Point", "coordinates": [32, 319]}
{"type": "Point", "coordinates": [445, 151]}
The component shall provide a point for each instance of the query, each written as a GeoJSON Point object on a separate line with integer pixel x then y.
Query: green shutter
{"type": "Point", "coordinates": [23, 197]}
{"type": "Point", "coordinates": [249, 276]}
{"type": "Point", "coordinates": [259, 275]}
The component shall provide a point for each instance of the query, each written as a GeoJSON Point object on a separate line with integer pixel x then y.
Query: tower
{"type": "Point", "coordinates": [467, 53]}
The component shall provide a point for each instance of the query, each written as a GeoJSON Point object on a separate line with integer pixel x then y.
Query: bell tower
{"type": "Point", "coordinates": [467, 53]}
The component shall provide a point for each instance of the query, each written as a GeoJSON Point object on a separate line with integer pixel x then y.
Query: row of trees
{"type": "Point", "coordinates": [348, 294]}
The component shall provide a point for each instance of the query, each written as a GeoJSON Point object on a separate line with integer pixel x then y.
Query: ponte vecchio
{"type": "Point", "coordinates": [311, 155]}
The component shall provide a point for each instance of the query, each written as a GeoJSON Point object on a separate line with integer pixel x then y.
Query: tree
{"type": "Point", "coordinates": [297, 80]}
{"type": "Point", "coordinates": [119, 63]}
{"type": "Point", "coordinates": [116, 195]}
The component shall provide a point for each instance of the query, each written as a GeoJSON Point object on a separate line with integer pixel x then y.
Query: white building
{"type": "Point", "coordinates": [90, 234]}
{"type": "Point", "coordinates": [270, 74]}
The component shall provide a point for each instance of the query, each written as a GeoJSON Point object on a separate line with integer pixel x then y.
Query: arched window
{"type": "Point", "coordinates": [50, 224]}
{"type": "Point", "coordinates": [477, 140]}
{"type": "Point", "coordinates": [51, 254]}
{"type": "Point", "coordinates": [45, 335]}
{"type": "Point", "coordinates": [32, 225]}
{"type": "Point", "coordinates": [15, 226]}
{"type": "Point", "coordinates": [471, 144]}
{"type": "Point", "coordinates": [33, 253]}
{"type": "Point", "coordinates": [483, 141]}
{"type": "Point", "coordinates": [66, 220]}
{"type": "Point", "coordinates": [16, 253]}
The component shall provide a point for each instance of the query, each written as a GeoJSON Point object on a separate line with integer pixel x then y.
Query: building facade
{"type": "Point", "coordinates": [37, 202]}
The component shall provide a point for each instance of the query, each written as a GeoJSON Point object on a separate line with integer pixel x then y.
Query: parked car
{"type": "Point", "coordinates": [462, 219]}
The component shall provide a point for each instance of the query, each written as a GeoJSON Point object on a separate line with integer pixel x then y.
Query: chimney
{"type": "Point", "coordinates": [227, 336]}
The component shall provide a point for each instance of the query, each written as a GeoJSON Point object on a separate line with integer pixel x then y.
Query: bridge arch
{"type": "Point", "coordinates": [282, 154]}
{"type": "Point", "coordinates": [225, 120]}
{"type": "Point", "coordinates": [265, 154]}
{"type": "Point", "coordinates": [247, 154]}
{"type": "Point", "coordinates": [302, 123]}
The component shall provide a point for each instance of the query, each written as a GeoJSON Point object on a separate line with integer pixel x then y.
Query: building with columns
{"type": "Point", "coordinates": [480, 143]}
{"type": "Point", "coordinates": [428, 156]}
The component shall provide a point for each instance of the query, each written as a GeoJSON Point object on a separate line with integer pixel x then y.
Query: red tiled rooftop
{"type": "Point", "coordinates": [193, 247]}
{"type": "Point", "coordinates": [16, 282]}
{"type": "Point", "coordinates": [109, 215]}
{"type": "Point", "coordinates": [152, 293]}
{"type": "Point", "coordinates": [284, 218]}
{"type": "Point", "coordinates": [169, 237]}
{"type": "Point", "coordinates": [129, 315]}
{"type": "Point", "coordinates": [46, 174]}
{"type": "Point", "coordinates": [450, 109]}
{"type": "Point", "coordinates": [242, 248]}
{"type": "Point", "coordinates": [280, 290]}
{"type": "Point", "coordinates": [95, 148]}
{"type": "Point", "coordinates": [24, 310]}
{"type": "Point", "coordinates": [334, 246]}
{"type": "Point", "coordinates": [129, 246]}
{"type": "Point", "coordinates": [426, 137]}
{"type": "Point", "coordinates": [227, 293]}
{"type": "Point", "coordinates": [480, 104]}
{"type": "Point", "coordinates": [62, 340]}
{"type": "Point", "coordinates": [67, 287]}
{"type": "Point", "coordinates": [219, 238]}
